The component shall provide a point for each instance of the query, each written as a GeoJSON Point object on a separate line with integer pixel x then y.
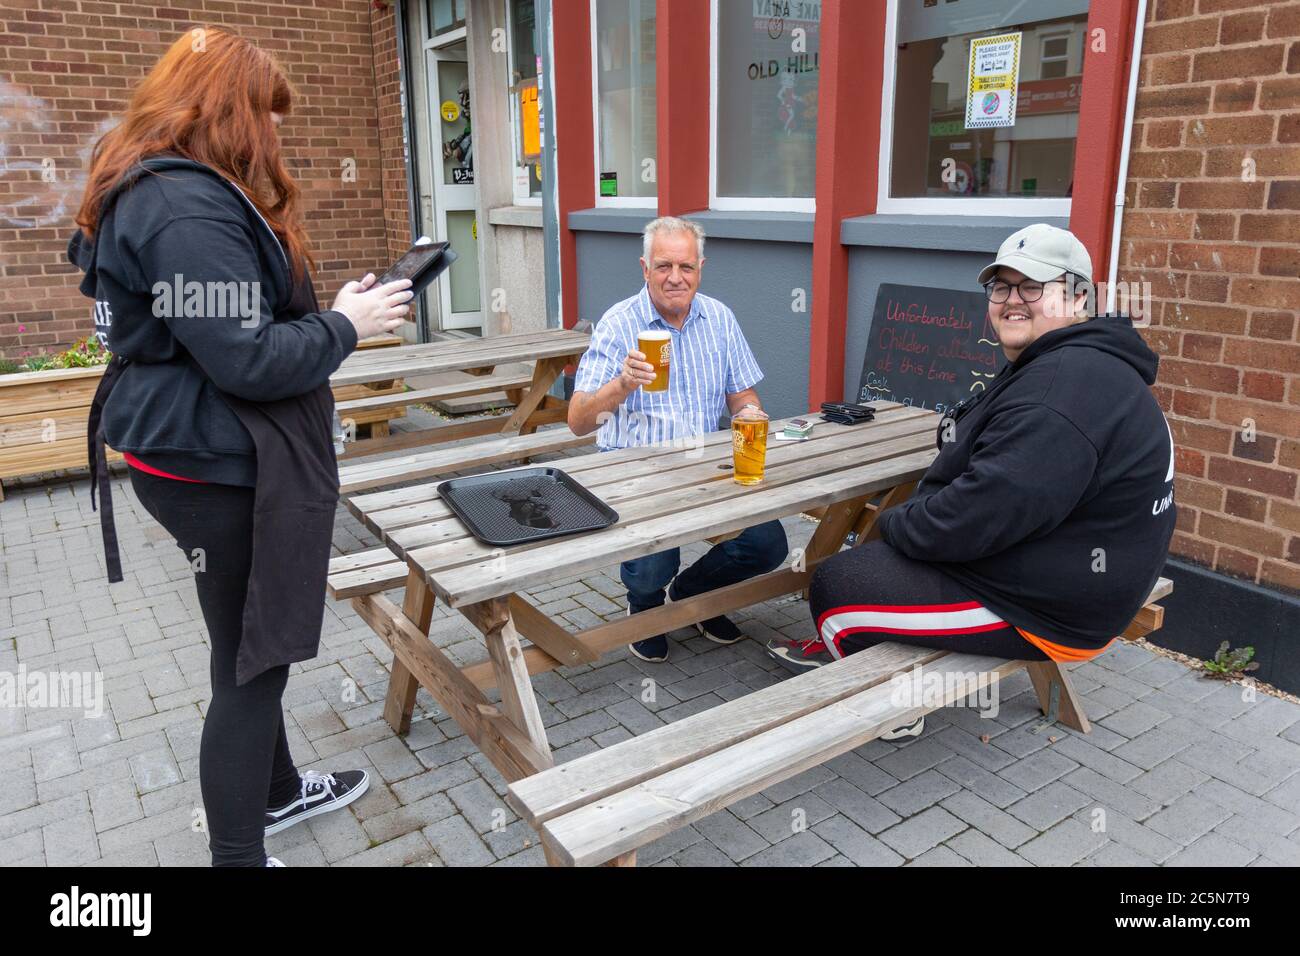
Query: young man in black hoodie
{"type": "Point", "coordinates": [1044, 523]}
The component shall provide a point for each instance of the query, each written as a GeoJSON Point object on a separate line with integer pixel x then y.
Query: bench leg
{"type": "Point", "coordinates": [1057, 697]}
{"type": "Point", "coordinates": [835, 524]}
{"type": "Point", "coordinates": [518, 701]}
{"type": "Point", "coordinates": [626, 859]}
{"type": "Point", "coordinates": [399, 704]}
{"type": "Point", "coordinates": [545, 372]}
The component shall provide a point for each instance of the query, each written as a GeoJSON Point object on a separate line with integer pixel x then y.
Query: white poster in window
{"type": "Point", "coordinates": [993, 79]}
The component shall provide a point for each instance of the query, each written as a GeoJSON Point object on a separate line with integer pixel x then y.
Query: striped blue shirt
{"type": "Point", "coordinates": [710, 360]}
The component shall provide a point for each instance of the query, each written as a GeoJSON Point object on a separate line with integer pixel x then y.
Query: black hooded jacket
{"type": "Point", "coordinates": [1052, 496]}
{"type": "Point", "coordinates": [186, 276]}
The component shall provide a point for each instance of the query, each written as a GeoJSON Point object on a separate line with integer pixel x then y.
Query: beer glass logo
{"type": "Point", "coordinates": [666, 353]}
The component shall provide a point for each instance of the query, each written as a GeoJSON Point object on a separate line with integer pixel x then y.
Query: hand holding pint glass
{"type": "Point", "coordinates": [657, 347]}
{"type": "Point", "coordinates": [749, 444]}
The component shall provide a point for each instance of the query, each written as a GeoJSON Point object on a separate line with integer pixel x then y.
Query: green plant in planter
{"type": "Point", "coordinates": [39, 363]}
{"type": "Point", "coordinates": [83, 354]}
{"type": "Point", "coordinates": [9, 366]}
{"type": "Point", "coordinates": [1229, 664]}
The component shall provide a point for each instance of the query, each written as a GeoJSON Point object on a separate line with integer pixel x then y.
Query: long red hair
{"type": "Point", "coordinates": [209, 99]}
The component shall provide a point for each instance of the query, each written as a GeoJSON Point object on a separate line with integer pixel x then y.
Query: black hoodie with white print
{"type": "Point", "coordinates": [193, 289]}
{"type": "Point", "coordinates": [1052, 496]}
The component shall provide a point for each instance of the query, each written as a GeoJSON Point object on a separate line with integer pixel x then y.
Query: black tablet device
{"type": "Point", "coordinates": [422, 263]}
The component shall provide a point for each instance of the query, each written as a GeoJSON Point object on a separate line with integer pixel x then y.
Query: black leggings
{"type": "Point", "coordinates": [244, 761]}
{"type": "Point", "coordinates": [871, 594]}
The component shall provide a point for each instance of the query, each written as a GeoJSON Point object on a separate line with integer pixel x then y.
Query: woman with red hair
{"type": "Point", "coordinates": [193, 247]}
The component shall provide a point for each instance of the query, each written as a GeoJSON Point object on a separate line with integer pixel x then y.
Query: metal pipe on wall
{"type": "Point", "coordinates": [1117, 221]}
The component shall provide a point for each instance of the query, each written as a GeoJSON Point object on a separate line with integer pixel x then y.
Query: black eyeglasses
{"type": "Point", "coordinates": [998, 290]}
{"type": "Point", "coordinates": [1031, 290]}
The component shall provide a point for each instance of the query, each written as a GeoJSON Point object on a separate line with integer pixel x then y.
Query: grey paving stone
{"type": "Point", "coordinates": [1107, 793]}
{"type": "Point", "coordinates": [668, 846]}
{"type": "Point", "coordinates": [408, 818]}
{"type": "Point", "coordinates": [915, 757]}
{"type": "Point", "coordinates": [990, 786]}
{"type": "Point", "coordinates": [864, 810]}
{"type": "Point", "coordinates": [732, 836]}
{"type": "Point", "coordinates": [983, 850]}
{"type": "Point", "coordinates": [788, 819]}
{"type": "Point", "coordinates": [857, 845]}
{"type": "Point", "coordinates": [457, 844]}
{"type": "Point", "coordinates": [798, 784]}
{"type": "Point", "coordinates": [1046, 807]}
{"type": "Point", "coordinates": [1243, 830]}
{"type": "Point", "coordinates": [70, 841]}
{"type": "Point", "coordinates": [1187, 818]}
{"type": "Point", "coordinates": [114, 804]}
{"type": "Point", "coordinates": [922, 832]}
{"type": "Point", "coordinates": [1038, 769]}
{"type": "Point", "coordinates": [1212, 850]}
{"type": "Point", "coordinates": [480, 806]}
{"type": "Point", "coordinates": [405, 850]}
{"type": "Point", "coordinates": [939, 856]}
{"type": "Point", "coordinates": [989, 819]}
{"type": "Point", "coordinates": [1063, 845]}
{"type": "Point", "coordinates": [802, 849]}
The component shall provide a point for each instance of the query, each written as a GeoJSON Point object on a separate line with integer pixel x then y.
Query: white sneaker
{"type": "Point", "coordinates": [272, 861]}
{"type": "Point", "coordinates": [911, 730]}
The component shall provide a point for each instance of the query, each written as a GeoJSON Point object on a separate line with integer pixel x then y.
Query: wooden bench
{"type": "Point", "coordinates": [600, 808]}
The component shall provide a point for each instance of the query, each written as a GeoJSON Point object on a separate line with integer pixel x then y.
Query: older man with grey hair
{"type": "Point", "coordinates": [713, 372]}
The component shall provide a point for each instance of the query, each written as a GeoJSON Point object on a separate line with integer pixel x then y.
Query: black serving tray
{"type": "Point", "coordinates": [525, 504]}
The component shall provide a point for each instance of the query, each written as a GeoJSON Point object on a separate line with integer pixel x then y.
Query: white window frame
{"type": "Point", "coordinates": [615, 202]}
{"type": "Point", "coordinates": [1042, 207]}
{"type": "Point", "coordinates": [1066, 57]}
{"type": "Point", "coordinates": [737, 203]}
{"type": "Point", "coordinates": [521, 197]}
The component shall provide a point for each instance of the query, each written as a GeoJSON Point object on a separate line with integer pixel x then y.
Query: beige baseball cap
{"type": "Point", "coordinates": [1041, 252]}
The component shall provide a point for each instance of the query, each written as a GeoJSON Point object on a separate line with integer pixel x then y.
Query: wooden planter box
{"type": "Point", "coordinates": [43, 416]}
{"type": "Point", "coordinates": [43, 420]}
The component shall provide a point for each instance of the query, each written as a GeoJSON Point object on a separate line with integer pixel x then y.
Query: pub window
{"type": "Point", "coordinates": [766, 69]}
{"type": "Point", "coordinates": [982, 105]}
{"type": "Point", "coordinates": [525, 104]}
{"type": "Point", "coordinates": [623, 58]}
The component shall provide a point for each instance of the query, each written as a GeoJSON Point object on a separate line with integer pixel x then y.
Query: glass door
{"type": "Point", "coordinates": [455, 195]}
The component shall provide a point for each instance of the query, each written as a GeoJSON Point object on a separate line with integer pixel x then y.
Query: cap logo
{"type": "Point", "coordinates": [1021, 245]}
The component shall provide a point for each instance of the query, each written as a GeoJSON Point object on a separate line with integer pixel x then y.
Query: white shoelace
{"type": "Point", "coordinates": [316, 779]}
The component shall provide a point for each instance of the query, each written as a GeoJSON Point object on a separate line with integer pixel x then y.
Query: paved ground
{"type": "Point", "coordinates": [1178, 770]}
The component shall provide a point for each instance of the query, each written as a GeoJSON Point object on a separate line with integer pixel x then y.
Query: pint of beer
{"type": "Point", "coordinates": [749, 446]}
{"type": "Point", "coordinates": [657, 348]}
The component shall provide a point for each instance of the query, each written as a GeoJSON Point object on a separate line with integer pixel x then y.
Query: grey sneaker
{"type": "Point", "coordinates": [901, 733]}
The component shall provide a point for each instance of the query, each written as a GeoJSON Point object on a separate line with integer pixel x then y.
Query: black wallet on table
{"type": "Point", "coordinates": [845, 413]}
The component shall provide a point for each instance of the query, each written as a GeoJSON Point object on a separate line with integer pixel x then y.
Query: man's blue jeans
{"type": "Point", "coordinates": [755, 551]}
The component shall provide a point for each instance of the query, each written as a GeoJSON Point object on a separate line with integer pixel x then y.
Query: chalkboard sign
{"type": "Point", "coordinates": [929, 348]}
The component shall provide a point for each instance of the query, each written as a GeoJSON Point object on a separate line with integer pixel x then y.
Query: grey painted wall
{"type": "Point", "coordinates": [756, 279]}
{"type": "Point", "coordinates": [870, 266]}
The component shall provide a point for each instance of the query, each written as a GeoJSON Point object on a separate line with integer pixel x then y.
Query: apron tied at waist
{"type": "Point", "coordinates": [293, 529]}
{"type": "Point", "coordinates": [98, 461]}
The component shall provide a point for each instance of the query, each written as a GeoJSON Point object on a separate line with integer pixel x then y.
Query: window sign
{"type": "Point", "coordinates": [992, 81]}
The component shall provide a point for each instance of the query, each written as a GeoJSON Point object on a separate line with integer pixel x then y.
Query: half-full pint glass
{"type": "Point", "coordinates": [749, 446]}
{"type": "Point", "coordinates": [657, 348]}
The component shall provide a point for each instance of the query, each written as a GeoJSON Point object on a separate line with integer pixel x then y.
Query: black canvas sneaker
{"type": "Point", "coordinates": [321, 793]}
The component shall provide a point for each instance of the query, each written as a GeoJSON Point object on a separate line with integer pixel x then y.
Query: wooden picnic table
{"type": "Point", "coordinates": [666, 497]}
{"type": "Point", "coordinates": [550, 351]}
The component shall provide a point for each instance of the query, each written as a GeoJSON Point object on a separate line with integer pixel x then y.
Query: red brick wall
{"type": "Point", "coordinates": [397, 220]}
{"type": "Point", "coordinates": [1217, 240]}
{"type": "Point", "coordinates": [67, 68]}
